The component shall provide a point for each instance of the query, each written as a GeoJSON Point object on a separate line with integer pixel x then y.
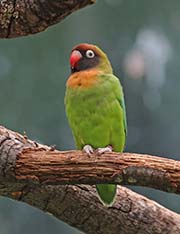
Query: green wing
{"type": "Point", "coordinates": [122, 103]}
{"type": "Point", "coordinates": [120, 96]}
{"type": "Point", "coordinates": [107, 192]}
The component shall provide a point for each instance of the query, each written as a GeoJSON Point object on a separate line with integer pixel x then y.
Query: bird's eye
{"type": "Point", "coordinates": [90, 54]}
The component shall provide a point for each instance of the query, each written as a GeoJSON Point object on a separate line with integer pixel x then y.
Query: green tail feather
{"type": "Point", "coordinates": [107, 193]}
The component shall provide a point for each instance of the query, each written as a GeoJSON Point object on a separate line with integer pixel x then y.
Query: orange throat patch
{"type": "Point", "coordinates": [83, 79]}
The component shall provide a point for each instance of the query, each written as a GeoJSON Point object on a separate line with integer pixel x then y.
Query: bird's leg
{"type": "Point", "coordinates": [106, 149]}
{"type": "Point", "coordinates": [88, 149]}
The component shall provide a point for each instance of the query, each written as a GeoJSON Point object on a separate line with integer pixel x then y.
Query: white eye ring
{"type": "Point", "coordinates": [90, 54]}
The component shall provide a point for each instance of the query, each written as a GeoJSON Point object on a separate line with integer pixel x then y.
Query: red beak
{"type": "Point", "coordinates": [75, 57]}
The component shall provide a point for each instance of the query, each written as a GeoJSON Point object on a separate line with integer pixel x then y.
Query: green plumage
{"type": "Point", "coordinates": [97, 117]}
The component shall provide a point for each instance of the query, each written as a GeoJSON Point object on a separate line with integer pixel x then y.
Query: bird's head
{"type": "Point", "coordinates": [87, 56]}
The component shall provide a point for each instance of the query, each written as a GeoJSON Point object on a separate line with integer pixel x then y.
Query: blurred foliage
{"type": "Point", "coordinates": [141, 38]}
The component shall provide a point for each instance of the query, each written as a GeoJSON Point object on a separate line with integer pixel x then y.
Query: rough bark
{"type": "Point", "coordinates": [30, 172]}
{"type": "Point", "coordinates": [79, 207]}
{"type": "Point", "coordinates": [27, 161]}
{"type": "Point", "coordinates": [74, 167]}
{"type": "Point", "coordinates": [24, 17]}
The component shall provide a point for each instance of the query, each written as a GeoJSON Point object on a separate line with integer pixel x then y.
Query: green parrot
{"type": "Point", "coordinates": [95, 108]}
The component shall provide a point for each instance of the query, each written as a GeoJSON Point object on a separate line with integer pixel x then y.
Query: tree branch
{"type": "Point", "coordinates": [40, 164]}
{"type": "Point", "coordinates": [74, 167]}
{"type": "Point", "coordinates": [21, 18]}
{"type": "Point", "coordinates": [30, 172]}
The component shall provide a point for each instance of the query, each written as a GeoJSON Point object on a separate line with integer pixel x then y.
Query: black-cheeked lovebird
{"type": "Point", "coordinates": [95, 107]}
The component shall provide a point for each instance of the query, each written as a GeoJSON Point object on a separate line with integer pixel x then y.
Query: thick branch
{"type": "Point", "coordinates": [74, 167]}
{"type": "Point", "coordinates": [24, 17]}
{"type": "Point", "coordinates": [79, 207]}
{"type": "Point", "coordinates": [26, 169]}
{"type": "Point", "coordinates": [39, 164]}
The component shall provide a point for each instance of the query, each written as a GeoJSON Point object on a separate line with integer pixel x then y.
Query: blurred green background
{"type": "Point", "coordinates": [142, 39]}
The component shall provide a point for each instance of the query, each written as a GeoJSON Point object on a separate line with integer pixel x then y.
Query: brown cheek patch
{"type": "Point", "coordinates": [83, 79]}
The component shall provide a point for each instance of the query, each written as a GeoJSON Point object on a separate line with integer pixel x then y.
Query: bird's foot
{"type": "Point", "coordinates": [107, 149]}
{"type": "Point", "coordinates": [88, 149]}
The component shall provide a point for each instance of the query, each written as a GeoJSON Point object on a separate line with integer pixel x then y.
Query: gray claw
{"type": "Point", "coordinates": [104, 150]}
{"type": "Point", "coordinates": [88, 149]}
